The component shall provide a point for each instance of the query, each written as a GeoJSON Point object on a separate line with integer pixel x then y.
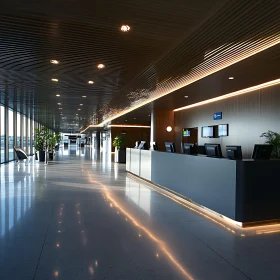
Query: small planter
{"type": "Point", "coordinates": [41, 156]}
{"type": "Point", "coordinates": [51, 156]}
{"type": "Point", "coordinates": [120, 156]}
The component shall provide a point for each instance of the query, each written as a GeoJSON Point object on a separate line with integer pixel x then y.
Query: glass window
{"type": "Point", "coordinates": [18, 129]}
{"type": "Point", "coordinates": [11, 135]}
{"type": "Point", "coordinates": [28, 135]}
{"type": "Point", "coordinates": [24, 132]}
{"type": "Point", "coordinates": [2, 132]}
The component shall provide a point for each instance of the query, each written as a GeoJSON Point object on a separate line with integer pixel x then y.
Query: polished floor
{"type": "Point", "coordinates": [81, 217]}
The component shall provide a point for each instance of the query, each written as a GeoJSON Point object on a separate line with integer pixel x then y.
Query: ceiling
{"type": "Point", "coordinates": [234, 33]}
{"type": "Point", "coordinates": [258, 69]}
{"type": "Point", "coordinates": [80, 35]}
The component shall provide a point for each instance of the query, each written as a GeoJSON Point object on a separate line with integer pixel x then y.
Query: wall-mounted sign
{"type": "Point", "coordinates": [217, 116]}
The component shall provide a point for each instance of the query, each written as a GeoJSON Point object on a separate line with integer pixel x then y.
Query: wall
{"type": "Point", "coordinates": [248, 116]}
{"type": "Point", "coordinates": [132, 135]}
{"type": "Point", "coordinates": [161, 119]}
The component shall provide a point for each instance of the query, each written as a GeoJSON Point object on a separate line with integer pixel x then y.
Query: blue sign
{"type": "Point", "coordinates": [217, 116]}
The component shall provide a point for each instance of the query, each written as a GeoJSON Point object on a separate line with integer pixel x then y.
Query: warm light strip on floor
{"type": "Point", "coordinates": [202, 211]}
{"type": "Point", "coordinates": [124, 125]}
{"type": "Point", "coordinates": [264, 227]}
{"type": "Point", "coordinates": [226, 58]}
{"type": "Point", "coordinates": [230, 95]}
{"type": "Point", "coordinates": [162, 245]}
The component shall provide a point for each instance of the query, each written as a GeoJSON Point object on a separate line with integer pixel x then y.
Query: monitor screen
{"type": "Point", "coordinates": [213, 150]}
{"type": "Point", "coordinates": [234, 152]}
{"type": "Point", "coordinates": [143, 145]}
{"type": "Point", "coordinates": [154, 146]}
{"type": "Point", "coordinates": [189, 148]}
{"type": "Point", "coordinates": [186, 132]}
{"type": "Point", "coordinates": [170, 147]}
{"type": "Point", "coordinates": [262, 151]}
{"type": "Point", "coordinates": [222, 130]}
{"type": "Point", "coordinates": [207, 131]}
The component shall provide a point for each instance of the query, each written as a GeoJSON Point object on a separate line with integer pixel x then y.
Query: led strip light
{"type": "Point", "coordinates": [229, 95]}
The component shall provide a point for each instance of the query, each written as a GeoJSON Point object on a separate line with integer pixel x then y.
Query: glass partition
{"type": "Point", "coordinates": [11, 135]}
{"type": "Point", "coordinates": [18, 129]}
{"type": "Point", "coordinates": [24, 132]}
{"type": "Point", "coordinates": [2, 132]}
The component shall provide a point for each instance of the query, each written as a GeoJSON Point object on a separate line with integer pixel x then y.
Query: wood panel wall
{"type": "Point", "coordinates": [248, 116]}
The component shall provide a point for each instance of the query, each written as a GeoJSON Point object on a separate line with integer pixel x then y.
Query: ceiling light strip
{"type": "Point", "coordinates": [206, 68]}
{"type": "Point", "coordinates": [229, 95]}
{"type": "Point", "coordinates": [124, 125]}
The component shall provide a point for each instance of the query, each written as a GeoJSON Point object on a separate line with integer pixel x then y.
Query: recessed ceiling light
{"type": "Point", "coordinates": [54, 80]}
{"type": "Point", "coordinates": [126, 120]}
{"type": "Point", "coordinates": [100, 66]}
{"type": "Point", "coordinates": [186, 96]}
{"type": "Point", "coordinates": [58, 103]}
{"type": "Point", "coordinates": [58, 95]}
{"type": "Point", "coordinates": [84, 96]}
{"type": "Point", "coordinates": [91, 82]}
{"type": "Point", "coordinates": [77, 114]}
{"type": "Point", "coordinates": [81, 104]}
{"type": "Point", "coordinates": [231, 78]}
{"type": "Point", "coordinates": [125, 28]}
{"type": "Point", "coordinates": [79, 109]}
{"type": "Point", "coordinates": [54, 61]}
{"type": "Point", "coordinates": [135, 118]}
{"type": "Point", "coordinates": [60, 108]}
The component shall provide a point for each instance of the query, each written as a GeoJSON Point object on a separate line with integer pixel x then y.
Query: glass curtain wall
{"type": "Point", "coordinates": [18, 129]}
{"type": "Point", "coordinates": [24, 132]}
{"type": "Point", "coordinates": [20, 132]}
{"type": "Point", "coordinates": [2, 133]}
{"type": "Point", "coordinates": [11, 135]}
{"type": "Point", "coordinates": [28, 136]}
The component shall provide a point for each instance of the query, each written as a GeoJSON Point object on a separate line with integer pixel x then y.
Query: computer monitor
{"type": "Point", "coordinates": [143, 145]}
{"type": "Point", "coordinates": [262, 151]}
{"type": "Point", "coordinates": [222, 130]}
{"type": "Point", "coordinates": [213, 150]}
{"type": "Point", "coordinates": [200, 150]}
{"type": "Point", "coordinates": [170, 147]}
{"type": "Point", "coordinates": [207, 131]}
{"type": "Point", "coordinates": [234, 152]}
{"type": "Point", "coordinates": [137, 143]}
{"type": "Point", "coordinates": [154, 146]}
{"type": "Point", "coordinates": [189, 149]}
{"type": "Point", "coordinates": [186, 132]}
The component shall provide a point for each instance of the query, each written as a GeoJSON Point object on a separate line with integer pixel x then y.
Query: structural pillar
{"type": "Point", "coordinates": [98, 140]}
{"type": "Point", "coordinates": [160, 120]}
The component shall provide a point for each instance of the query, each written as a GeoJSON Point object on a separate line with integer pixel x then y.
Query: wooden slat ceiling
{"type": "Point", "coordinates": [258, 69]}
{"type": "Point", "coordinates": [238, 30]}
{"type": "Point", "coordinates": [80, 35]}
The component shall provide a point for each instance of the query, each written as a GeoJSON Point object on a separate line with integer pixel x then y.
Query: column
{"type": "Point", "coordinates": [160, 120]}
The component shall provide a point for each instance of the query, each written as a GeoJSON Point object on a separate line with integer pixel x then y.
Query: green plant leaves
{"type": "Point", "coordinates": [273, 138]}
{"type": "Point", "coordinates": [119, 142]}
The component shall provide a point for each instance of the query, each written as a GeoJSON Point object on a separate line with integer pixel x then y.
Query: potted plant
{"type": "Point", "coordinates": [120, 152]}
{"type": "Point", "coordinates": [51, 141]}
{"type": "Point", "coordinates": [273, 138]}
{"type": "Point", "coordinates": [41, 136]}
{"type": "Point", "coordinates": [57, 140]}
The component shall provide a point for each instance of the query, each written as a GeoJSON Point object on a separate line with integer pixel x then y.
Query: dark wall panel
{"type": "Point", "coordinates": [248, 116]}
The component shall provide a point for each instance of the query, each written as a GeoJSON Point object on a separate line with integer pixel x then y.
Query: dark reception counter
{"type": "Point", "coordinates": [245, 191]}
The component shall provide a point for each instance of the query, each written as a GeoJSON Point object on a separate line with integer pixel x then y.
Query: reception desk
{"type": "Point", "coordinates": [245, 191]}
